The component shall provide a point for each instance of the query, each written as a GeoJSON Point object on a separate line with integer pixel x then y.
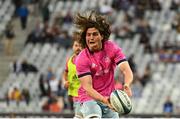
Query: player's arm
{"type": "Point", "coordinates": [86, 82]}
{"type": "Point", "coordinates": [65, 76]}
{"type": "Point", "coordinates": [128, 76]}
{"type": "Point", "coordinates": [65, 79]}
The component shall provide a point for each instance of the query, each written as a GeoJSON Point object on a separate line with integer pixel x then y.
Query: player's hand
{"type": "Point", "coordinates": [127, 89]}
{"type": "Point", "coordinates": [66, 84]}
{"type": "Point", "coordinates": [107, 102]}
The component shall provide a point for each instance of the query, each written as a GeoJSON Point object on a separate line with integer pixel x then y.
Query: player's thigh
{"type": "Point", "coordinates": [77, 108]}
{"type": "Point", "coordinates": [111, 114]}
{"type": "Point", "coordinates": [91, 109]}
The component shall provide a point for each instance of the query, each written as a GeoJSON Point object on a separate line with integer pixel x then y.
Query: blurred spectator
{"type": "Point", "coordinates": [178, 35]}
{"type": "Point", "coordinates": [140, 8]}
{"type": "Point", "coordinates": [176, 22]}
{"type": "Point", "coordinates": [132, 64]}
{"type": "Point", "coordinates": [168, 107]}
{"type": "Point", "coordinates": [23, 66]}
{"type": "Point", "coordinates": [32, 38]}
{"type": "Point", "coordinates": [61, 90]}
{"type": "Point", "coordinates": [125, 5]}
{"type": "Point", "coordinates": [55, 29]}
{"type": "Point", "coordinates": [23, 13]}
{"type": "Point", "coordinates": [44, 82]}
{"type": "Point", "coordinates": [14, 95]}
{"type": "Point", "coordinates": [49, 74]}
{"type": "Point", "coordinates": [17, 4]}
{"type": "Point", "coordinates": [116, 4]}
{"type": "Point", "coordinates": [35, 35]}
{"type": "Point", "coordinates": [135, 85]}
{"type": "Point", "coordinates": [175, 5]}
{"type": "Point", "coordinates": [144, 38]}
{"type": "Point", "coordinates": [28, 67]}
{"type": "Point", "coordinates": [105, 9]}
{"type": "Point", "coordinates": [127, 18]}
{"type": "Point", "coordinates": [64, 40]}
{"type": "Point", "coordinates": [147, 76]}
{"type": "Point", "coordinates": [124, 32]}
{"type": "Point", "coordinates": [167, 45]}
{"type": "Point", "coordinates": [9, 34]}
{"type": "Point", "coordinates": [155, 5]}
{"type": "Point", "coordinates": [121, 4]}
{"type": "Point", "coordinates": [178, 108]}
{"type": "Point", "coordinates": [62, 95]}
{"type": "Point", "coordinates": [33, 6]}
{"type": "Point", "coordinates": [44, 86]}
{"type": "Point", "coordinates": [48, 34]}
{"type": "Point", "coordinates": [26, 95]}
{"type": "Point", "coordinates": [58, 91]}
{"type": "Point", "coordinates": [68, 18]}
{"type": "Point", "coordinates": [52, 105]}
{"type": "Point", "coordinates": [148, 48]}
{"type": "Point", "coordinates": [45, 12]}
{"type": "Point", "coordinates": [143, 27]}
{"type": "Point", "coordinates": [15, 66]}
{"type": "Point", "coordinates": [137, 88]}
{"type": "Point", "coordinates": [53, 83]}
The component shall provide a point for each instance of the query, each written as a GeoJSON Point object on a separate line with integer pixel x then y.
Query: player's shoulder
{"type": "Point", "coordinates": [82, 55]}
{"type": "Point", "coordinates": [110, 44]}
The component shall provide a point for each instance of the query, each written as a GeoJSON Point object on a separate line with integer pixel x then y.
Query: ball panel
{"type": "Point", "coordinates": [121, 102]}
{"type": "Point", "coordinates": [115, 103]}
{"type": "Point", "coordinates": [125, 101]}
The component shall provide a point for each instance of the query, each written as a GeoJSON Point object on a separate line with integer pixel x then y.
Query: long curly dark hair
{"type": "Point", "coordinates": [91, 19]}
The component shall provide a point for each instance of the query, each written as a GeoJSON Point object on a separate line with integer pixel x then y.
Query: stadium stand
{"type": "Point", "coordinates": [142, 36]}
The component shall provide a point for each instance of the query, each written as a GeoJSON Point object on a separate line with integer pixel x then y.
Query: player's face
{"type": "Point", "coordinates": [94, 39]}
{"type": "Point", "coordinates": [77, 47]}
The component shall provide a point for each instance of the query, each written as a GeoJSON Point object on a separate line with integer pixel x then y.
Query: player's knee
{"type": "Point", "coordinates": [78, 117]}
{"type": "Point", "coordinates": [93, 117]}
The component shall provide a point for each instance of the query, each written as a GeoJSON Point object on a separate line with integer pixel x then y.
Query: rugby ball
{"type": "Point", "coordinates": [121, 102]}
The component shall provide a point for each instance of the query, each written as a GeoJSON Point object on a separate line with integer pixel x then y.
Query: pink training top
{"type": "Point", "coordinates": [100, 65]}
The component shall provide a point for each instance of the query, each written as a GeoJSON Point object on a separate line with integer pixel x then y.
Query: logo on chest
{"type": "Point", "coordinates": [93, 65]}
{"type": "Point", "coordinates": [101, 67]}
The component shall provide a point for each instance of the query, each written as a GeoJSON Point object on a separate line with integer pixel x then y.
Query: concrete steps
{"type": "Point", "coordinates": [18, 46]}
{"type": "Point", "coordinates": [4, 66]}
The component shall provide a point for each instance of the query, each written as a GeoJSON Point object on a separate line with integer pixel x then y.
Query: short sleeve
{"type": "Point", "coordinates": [117, 54]}
{"type": "Point", "coordinates": [82, 65]}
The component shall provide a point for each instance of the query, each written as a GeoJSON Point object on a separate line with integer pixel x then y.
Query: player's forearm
{"type": "Point", "coordinates": [95, 95]}
{"type": "Point", "coordinates": [86, 83]}
{"type": "Point", "coordinates": [127, 73]}
{"type": "Point", "coordinates": [65, 79]}
{"type": "Point", "coordinates": [128, 77]}
{"type": "Point", "coordinates": [65, 76]}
